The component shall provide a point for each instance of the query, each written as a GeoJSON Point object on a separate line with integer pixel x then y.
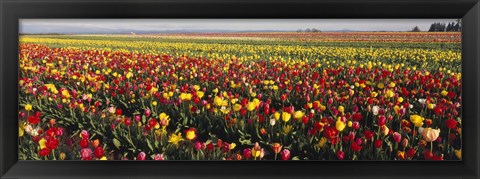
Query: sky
{"type": "Point", "coordinates": [218, 25]}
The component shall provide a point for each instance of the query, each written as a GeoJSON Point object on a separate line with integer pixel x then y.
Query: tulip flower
{"type": "Point", "coordinates": [339, 125]}
{"type": "Point", "coordinates": [141, 156]}
{"type": "Point", "coordinates": [98, 152]}
{"type": "Point", "coordinates": [247, 153]}
{"type": "Point", "coordinates": [397, 137]}
{"type": "Point", "coordinates": [62, 156]}
{"type": "Point", "coordinates": [378, 143]}
{"type": "Point", "coordinates": [86, 154]}
{"type": "Point", "coordinates": [147, 112]}
{"type": "Point", "coordinates": [277, 147]}
{"type": "Point", "coordinates": [375, 110]}
{"type": "Point", "coordinates": [430, 134]}
{"type": "Point", "coordinates": [381, 120]}
{"type": "Point", "coordinates": [286, 116]}
{"type": "Point", "coordinates": [158, 157]}
{"type": "Point", "coordinates": [404, 142]}
{"type": "Point", "coordinates": [340, 155]}
{"type": "Point", "coordinates": [198, 145]}
{"type": "Point", "coordinates": [451, 123]}
{"type": "Point", "coordinates": [84, 134]}
{"type": "Point", "coordinates": [191, 134]}
{"type": "Point", "coordinates": [28, 107]}
{"type": "Point", "coordinates": [285, 154]}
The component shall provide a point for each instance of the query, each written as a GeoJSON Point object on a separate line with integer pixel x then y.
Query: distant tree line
{"type": "Point", "coordinates": [309, 30]}
{"type": "Point", "coordinates": [442, 27]}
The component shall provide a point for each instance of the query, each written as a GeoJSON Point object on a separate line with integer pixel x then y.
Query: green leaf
{"type": "Point", "coordinates": [149, 145]}
{"type": "Point", "coordinates": [116, 143]}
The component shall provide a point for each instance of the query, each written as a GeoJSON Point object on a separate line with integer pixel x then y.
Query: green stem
{"type": "Point", "coordinates": [53, 154]}
{"type": "Point", "coordinates": [431, 147]}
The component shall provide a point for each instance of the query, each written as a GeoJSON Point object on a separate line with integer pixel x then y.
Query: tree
{"type": "Point", "coordinates": [458, 26]}
{"type": "Point", "coordinates": [416, 29]}
{"type": "Point", "coordinates": [432, 28]}
{"type": "Point", "coordinates": [449, 27]}
{"type": "Point", "coordinates": [437, 27]}
{"type": "Point", "coordinates": [315, 30]}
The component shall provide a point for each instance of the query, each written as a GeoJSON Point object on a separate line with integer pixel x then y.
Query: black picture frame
{"type": "Point", "coordinates": [12, 10]}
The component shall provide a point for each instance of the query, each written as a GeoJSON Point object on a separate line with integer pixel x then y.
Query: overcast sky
{"type": "Point", "coordinates": [214, 25]}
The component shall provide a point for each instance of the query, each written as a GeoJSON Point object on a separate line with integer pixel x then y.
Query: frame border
{"type": "Point", "coordinates": [12, 10]}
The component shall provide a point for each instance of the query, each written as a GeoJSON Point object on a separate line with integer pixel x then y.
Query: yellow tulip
{"type": "Point", "coordinates": [417, 120]}
{"type": "Point", "coordinates": [251, 106]}
{"type": "Point", "coordinates": [298, 115]}
{"type": "Point", "coordinates": [286, 116]}
{"type": "Point", "coordinates": [28, 107]}
{"type": "Point", "coordinates": [341, 109]}
{"type": "Point", "coordinates": [200, 94]}
{"type": "Point", "coordinates": [237, 107]}
{"type": "Point", "coordinates": [276, 115]}
{"type": "Point", "coordinates": [340, 125]}
{"type": "Point", "coordinates": [42, 143]}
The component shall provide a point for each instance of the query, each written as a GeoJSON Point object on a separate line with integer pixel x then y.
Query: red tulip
{"type": "Point", "coordinates": [378, 143]}
{"type": "Point", "coordinates": [118, 112]}
{"type": "Point", "coordinates": [369, 134]}
{"type": "Point", "coordinates": [381, 120]}
{"type": "Point", "coordinates": [98, 152]}
{"type": "Point", "coordinates": [84, 143]}
{"type": "Point", "coordinates": [127, 121]}
{"type": "Point", "coordinates": [52, 143]}
{"type": "Point", "coordinates": [451, 123]}
{"type": "Point", "coordinates": [44, 152]}
{"type": "Point", "coordinates": [33, 120]}
{"type": "Point", "coordinates": [247, 153]}
{"type": "Point", "coordinates": [340, 155]}
{"type": "Point", "coordinates": [410, 152]}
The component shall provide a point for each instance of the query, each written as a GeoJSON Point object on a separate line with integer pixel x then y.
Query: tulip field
{"type": "Point", "coordinates": [241, 96]}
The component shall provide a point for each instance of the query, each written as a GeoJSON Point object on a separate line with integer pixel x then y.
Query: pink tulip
{"type": "Point", "coordinates": [158, 157]}
{"type": "Point", "coordinates": [84, 134]}
{"type": "Point", "coordinates": [351, 135]}
{"type": "Point", "coordinates": [404, 142]}
{"type": "Point", "coordinates": [355, 125]}
{"type": "Point", "coordinates": [141, 156]}
{"type": "Point", "coordinates": [397, 137]}
{"type": "Point", "coordinates": [198, 145]}
{"type": "Point", "coordinates": [148, 112]}
{"type": "Point", "coordinates": [285, 154]}
{"type": "Point", "coordinates": [86, 153]}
